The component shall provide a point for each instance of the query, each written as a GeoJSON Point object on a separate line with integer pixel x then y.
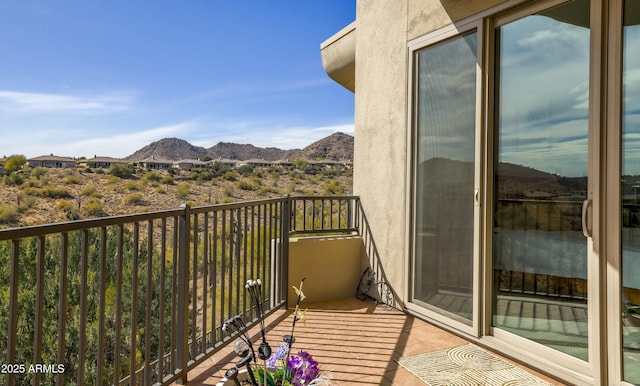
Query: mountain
{"type": "Point", "coordinates": [170, 149]}
{"type": "Point", "coordinates": [337, 147]}
{"type": "Point", "coordinates": [244, 152]}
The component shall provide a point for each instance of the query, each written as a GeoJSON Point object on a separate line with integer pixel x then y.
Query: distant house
{"type": "Point", "coordinates": [101, 162]}
{"type": "Point", "coordinates": [156, 163]}
{"type": "Point", "coordinates": [188, 164]}
{"type": "Point", "coordinates": [285, 163]}
{"type": "Point", "coordinates": [328, 163]}
{"type": "Point", "coordinates": [257, 163]}
{"type": "Point", "coordinates": [52, 161]}
{"type": "Point", "coordinates": [3, 160]}
{"type": "Point", "coordinates": [225, 161]}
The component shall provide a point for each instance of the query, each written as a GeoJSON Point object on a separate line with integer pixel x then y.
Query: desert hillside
{"type": "Point", "coordinates": [48, 195]}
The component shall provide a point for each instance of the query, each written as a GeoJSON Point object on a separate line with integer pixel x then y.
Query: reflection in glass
{"type": "Point", "coordinates": [630, 193]}
{"type": "Point", "coordinates": [539, 252]}
{"type": "Point", "coordinates": [443, 265]}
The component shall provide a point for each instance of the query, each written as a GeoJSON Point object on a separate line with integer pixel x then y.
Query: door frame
{"type": "Point", "coordinates": [414, 46]}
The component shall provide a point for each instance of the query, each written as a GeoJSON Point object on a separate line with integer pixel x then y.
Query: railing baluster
{"type": "Point", "coordinates": [133, 366]}
{"type": "Point", "coordinates": [13, 308]}
{"type": "Point", "coordinates": [205, 277]}
{"type": "Point", "coordinates": [62, 307]}
{"type": "Point", "coordinates": [118, 321]}
{"type": "Point", "coordinates": [183, 294]}
{"type": "Point", "coordinates": [194, 288]}
{"type": "Point", "coordinates": [235, 242]}
{"type": "Point", "coordinates": [252, 267]}
{"type": "Point", "coordinates": [245, 234]}
{"type": "Point", "coordinates": [84, 271]}
{"type": "Point", "coordinates": [177, 239]}
{"type": "Point", "coordinates": [214, 273]}
{"type": "Point", "coordinates": [161, 302]}
{"type": "Point", "coordinates": [223, 265]}
{"type": "Point", "coordinates": [147, 327]}
{"type": "Point", "coordinates": [37, 332]}
{"type": "Point", "coordinates": [102, 305]}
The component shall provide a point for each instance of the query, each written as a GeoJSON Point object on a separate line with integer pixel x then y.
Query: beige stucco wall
{"type": "Point", "coordinates": [332, 267]}
{"type": "Point", "coordinates": [381, 111]}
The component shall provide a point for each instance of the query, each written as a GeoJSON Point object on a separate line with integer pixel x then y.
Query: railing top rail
{"type": "Point", "coordinates": [294, 198]}
{"type": "Point", "coordinates": [37, 230]}
{"type": "Point", "coordinates": [235, 205]}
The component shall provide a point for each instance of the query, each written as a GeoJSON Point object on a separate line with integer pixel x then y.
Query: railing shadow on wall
{"type": "Point", "coordinates": [380, 290]}
{"type": "Point", "coordinates": [140, 299]}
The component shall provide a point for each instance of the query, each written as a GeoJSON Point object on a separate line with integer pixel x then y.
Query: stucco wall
{"type": "Point", "coordinates": [332, 266]}
{"type": "Point", "coordinates": [381, 111]}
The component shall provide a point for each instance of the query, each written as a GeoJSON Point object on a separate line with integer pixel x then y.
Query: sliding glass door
{"type": "Point", "coordinates": [630, 193]}
{"type": "Point", "coordinates": [526, 216]}
{"type": "Point", "coordinates": [444, 175]}
{"type": "Point", "coordinates": [541, 178]}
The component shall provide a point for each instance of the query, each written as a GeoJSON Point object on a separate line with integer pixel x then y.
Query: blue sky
{"type": "Point", "coordinates": [107, 77]}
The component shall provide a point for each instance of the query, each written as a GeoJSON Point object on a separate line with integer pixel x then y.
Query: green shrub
{"type": "Point", "coordinates": [183, 190]}
{"type": "Point", "coordinates": [333, 187]}
{"type": "Point", "coordinates": [152, 176]}
{"type": "Point", "coordinates": [121, 170]}
{"type": "Point", "coordinates": [8, 213]}
{"type": "Point", "coordinates": [69, 209]}
{"type": "Point", "coordinates": [73, 180]}
{"type": "Point", "coordinates": [51, 191]}
{"type": "Point", "coordinates": [25, 202]}
{"type": "Point", "coordinates": [246, 185]}
{"type": "Point", "coordinates": [167, 180]}
{"type": "Point", "coordinates": [15, 162]}
{"type": "Point", "coordinates": [31, 191]}
{"type": "Point", "coordinates": [245, 170]}
{"type": "Point", "coordinates": [132, 186]}
{"type": "Point", "coordinates": [30, 183]}
{"type": "Point", "coordinates": [265, 191]}
{"type": "Point", "coordinates": [90, 191]}
{"type": "Point", "coordinates": [134, 199]}
{"type": "Point", "coordinates": [15, 179]}
{"type": "Point", "coordinates": [38, 172]}
{"type": "Point", "coordinates": [229, 176]}
{"type": "Point", "coordinates": [93, 207]}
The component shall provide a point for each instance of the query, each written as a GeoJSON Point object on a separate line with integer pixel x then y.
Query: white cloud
{"type": "Point", "coordinates": [27, 102]}
{"type": "Point", "coordinates": [111, 143]}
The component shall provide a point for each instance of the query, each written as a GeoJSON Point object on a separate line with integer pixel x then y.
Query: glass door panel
{"type": "Point", "coordinates": [631, 193]}
{"type": "Point", "coordinates": [443, 266]}
{"type": "Point", "coordinates": [540, 178]}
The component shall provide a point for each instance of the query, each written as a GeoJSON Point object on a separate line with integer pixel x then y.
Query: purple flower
{"type": "Point", "coordinates": [303, 369]}
{"type": "Point", "coordinates": [277, 356]}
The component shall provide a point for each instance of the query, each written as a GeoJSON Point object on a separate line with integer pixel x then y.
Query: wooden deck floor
{"type": "Point", "coordinates": [358, 342]}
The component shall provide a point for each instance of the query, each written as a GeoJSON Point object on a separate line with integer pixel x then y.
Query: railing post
{"type": "Point", "coordinates": [184, 232]}
{"type": "Point", "coordinates": [284, 263]}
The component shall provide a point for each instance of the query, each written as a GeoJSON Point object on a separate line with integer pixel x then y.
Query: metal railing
{"type": "Point", "coordinates": [140, 299]}
{"type": "Point", "coordinates": [526, 229]}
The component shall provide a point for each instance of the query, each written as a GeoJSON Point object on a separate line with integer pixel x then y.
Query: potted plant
{"type": "Point", "coordinates": [280, 368]}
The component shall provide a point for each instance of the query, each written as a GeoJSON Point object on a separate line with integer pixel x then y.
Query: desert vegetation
{"type": "Point", "coordinates": [32, 196]}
